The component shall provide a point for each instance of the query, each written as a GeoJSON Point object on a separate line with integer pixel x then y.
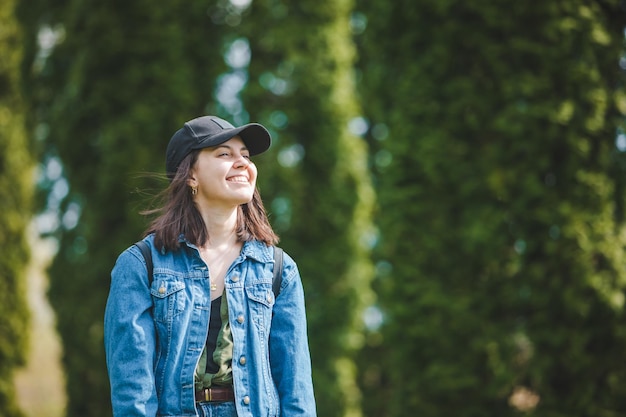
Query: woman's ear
{"type": "Point", "coordinates": [191, 180]}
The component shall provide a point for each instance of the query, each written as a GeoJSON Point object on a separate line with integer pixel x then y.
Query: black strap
{"type": "Point", "coordinates": [278, 270]}
{"type": "Point", "coordinates": [278, 265]}
{"type": "Point", "coordinates": [147, 256]}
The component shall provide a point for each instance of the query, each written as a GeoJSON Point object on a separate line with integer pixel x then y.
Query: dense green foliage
{"type": "Point", "coordinates": [124, 90]}
{"type": "Point", "coordinates": [112, 93]}
{"type": "Point", "coordinates": [500, 189]}
{"type": "Point", "coordinates": [502, 267]}
{"type": "Point", "coordinates": [302, 85]}
{"type": "Point", "coordinates": [16, 188]}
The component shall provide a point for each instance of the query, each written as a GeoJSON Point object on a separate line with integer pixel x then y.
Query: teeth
{"type": "Point", "coordinates": [238, 179]}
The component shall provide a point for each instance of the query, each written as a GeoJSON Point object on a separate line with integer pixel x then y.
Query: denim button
{"type": "Point", "coordinates": [242, 360]}
{"type": "Point", "coordinates": [235, 278]}
{"type": "Point", "coordinates": [246, 400]}
{"type": "Point", "coordinates": [240, 318]}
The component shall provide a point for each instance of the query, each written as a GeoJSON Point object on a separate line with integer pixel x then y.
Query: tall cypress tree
{"type": "Point", "coordinates": [123, 78]}
{"type": "Point", "coordinates": [502, 266]}
{"type": "Point", "coordinates": [16, 176]}
{"type": "Point", "coordinates": [319, 191]}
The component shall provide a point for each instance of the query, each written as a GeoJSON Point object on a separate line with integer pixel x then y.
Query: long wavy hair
{"type": "Point", "coordinates": [179, 215]}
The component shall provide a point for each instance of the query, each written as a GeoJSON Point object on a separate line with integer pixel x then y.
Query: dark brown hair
{"type": "Point", "coordinates": [179, 215]}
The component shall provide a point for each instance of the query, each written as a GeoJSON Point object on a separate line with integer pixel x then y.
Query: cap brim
{"type": "Point", "coordinates": [255, 136]}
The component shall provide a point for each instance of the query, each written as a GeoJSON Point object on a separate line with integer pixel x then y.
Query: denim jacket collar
{"type": "Point", "coordinates": [253, 249]}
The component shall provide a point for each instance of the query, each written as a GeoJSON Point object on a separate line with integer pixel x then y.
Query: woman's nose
{"type": "Point", "coordinates": [242, 162]}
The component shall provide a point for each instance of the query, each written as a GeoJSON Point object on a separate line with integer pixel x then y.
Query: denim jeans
{"type": "Point", "coordinates": [215, 409]}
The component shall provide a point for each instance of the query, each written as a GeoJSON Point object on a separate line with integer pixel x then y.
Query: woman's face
{"type": "Point", "coordinates": [224, 175]}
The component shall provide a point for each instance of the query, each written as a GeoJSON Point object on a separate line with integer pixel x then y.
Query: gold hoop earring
{"type": "Point", "coordinates": [194, 190]}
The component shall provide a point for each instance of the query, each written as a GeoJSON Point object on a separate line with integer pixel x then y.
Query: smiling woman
{"type": "Point", "coordinates": [207, 335]}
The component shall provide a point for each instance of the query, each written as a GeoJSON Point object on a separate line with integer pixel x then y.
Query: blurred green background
{"type": "Point", "coordinates": [450, 177]}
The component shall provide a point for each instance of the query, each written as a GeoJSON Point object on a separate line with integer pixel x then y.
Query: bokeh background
{"type": "Point", "coordinates": [450, 177]}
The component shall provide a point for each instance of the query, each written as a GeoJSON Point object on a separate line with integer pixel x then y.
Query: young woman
{"type": "Point", "coordinates": [207, 336]}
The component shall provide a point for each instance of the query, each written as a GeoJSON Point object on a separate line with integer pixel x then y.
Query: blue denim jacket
{"type": "Point", "coordinates": [154, 336]}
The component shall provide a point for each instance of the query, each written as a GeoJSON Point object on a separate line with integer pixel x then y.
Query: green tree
{"type": "Point", "coordinates": [319, 193]}
{"type": "Point", "coordinates": [16, 175]}
{"type": "Point", "coordinates": [121, 79]}
{"type": "Point", "coordinates": [501, 265]}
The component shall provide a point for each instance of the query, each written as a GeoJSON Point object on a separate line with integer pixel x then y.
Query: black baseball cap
{"type": "Point", "coordinates": [207, 131]}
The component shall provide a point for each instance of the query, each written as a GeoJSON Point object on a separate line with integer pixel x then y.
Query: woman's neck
{"type": "Point", "coordinates": [221, 227]}
{"type": "Point", "coordinates": [222, 247]}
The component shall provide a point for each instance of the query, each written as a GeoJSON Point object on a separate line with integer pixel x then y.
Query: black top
{"type": "Point", "coordinates": [215, 324]}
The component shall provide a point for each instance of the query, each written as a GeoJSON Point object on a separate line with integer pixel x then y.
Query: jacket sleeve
{"type": "Point", "coordinates": [129, 338]}
{"type": "Point", "coordinates": [289, 348]}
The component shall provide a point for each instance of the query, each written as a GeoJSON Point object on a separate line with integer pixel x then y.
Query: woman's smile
{"type": "Point", "coordinates": [238, 178]}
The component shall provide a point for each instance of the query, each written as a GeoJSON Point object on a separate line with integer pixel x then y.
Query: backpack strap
{"type": "Point", "coordinates": [278, 270]}
{"type": "Point", "coordinates": [147, 255]}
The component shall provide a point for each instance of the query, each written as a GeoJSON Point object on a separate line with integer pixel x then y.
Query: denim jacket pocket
{"type": "Point", "coordinates": [168, 297]}
{"type": "Point", "coordinates": [261, 303]}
